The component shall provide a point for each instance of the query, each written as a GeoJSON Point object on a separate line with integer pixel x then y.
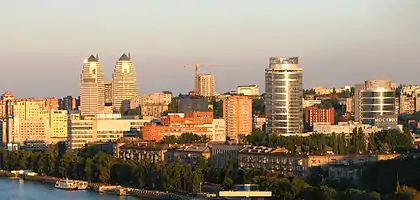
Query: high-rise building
{"type": "Point", "coordinates": [206, 85]}
{"type": "Point", "coordinates": [68, 103]}
{"type": "Point", "coordinates": [124, 83]}
{"type": "Point", "coordinates": [284, 96]}
{"type": "Point", "coordinates": [375, 103]}
{"type": "Point", "coordinates": [237, 112]}
{"type": "Point", "coordinates": [108, 93]}
{"type": "Point", "coordinates": [92, 87]}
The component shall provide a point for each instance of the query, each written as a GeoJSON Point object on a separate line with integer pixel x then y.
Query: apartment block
{"type": "Point", "coordinates": [206, 85]}
{"type": "Point", "coordinates": [237, 112]}
{"type": "Point", "coordinates": [279, 160]}
{"type": "Point", "coordinates": [316, 115]}
{"type": "Point", "coordinates": [189, 103]}
{"type": "Point", "coordinates": [57, 122]}
{"type": "Point", "coordinates": [200, 123]}
{"type": "Point", "coordinates": [152, 104]}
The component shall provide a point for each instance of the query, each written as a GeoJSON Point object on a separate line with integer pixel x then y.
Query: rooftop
{"type": "Point", "coordinates": [124, 57]}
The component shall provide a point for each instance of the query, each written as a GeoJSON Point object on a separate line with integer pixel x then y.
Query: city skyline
{"type": "Point", "coordinates": [354, 40]}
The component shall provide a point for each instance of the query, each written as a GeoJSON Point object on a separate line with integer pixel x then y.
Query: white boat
{"type": "Point", "coordinates": [66, 184]}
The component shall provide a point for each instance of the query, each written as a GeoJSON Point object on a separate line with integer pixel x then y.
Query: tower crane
{"type": "Point", "coordinates": [197, 66]}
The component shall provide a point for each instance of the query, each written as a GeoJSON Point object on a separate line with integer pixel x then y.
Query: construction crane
{"type": "Point", "coordinates": [197, 66]}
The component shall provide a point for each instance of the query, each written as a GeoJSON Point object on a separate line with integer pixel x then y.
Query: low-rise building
{"type": "Point", "coordinates": [258, 121]}
{"type": "Point", "coordinates": [175, 124]}
{"type": "Point", "coordinates": [279, 160]}
{"type": "Point", "coordinates": [309, 103]}
{"type": "Point", "coordinates": [222, 154]}
{"type": "Point", "coordinates": [143, 151]}
{"type": "Point", "coordinates": [187, 154]}
{"type": "Point", "coordinates": [248, 90]}
{"type": "Point", "coordinates": [344, 127]}
{"type": "Point", "coordinates": [97, 129]}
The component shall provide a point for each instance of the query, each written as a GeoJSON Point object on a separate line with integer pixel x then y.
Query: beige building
{"type": "Point", "coordinates": [349, 105]}
{"type": "Point", "coordinates": [102, 128]}
{"type": "Point", "coordinates": [92, 95]}
{"type": "Point", "coordinates": [344, 127]}
{"type": "Point", "coordinates": [309, 103]}
{"type": "Point", "coordinates": [124, 83]}
{"type": "Point", "coordinates": [108, 93]}
{"type": "Point", "coordinates": [407, 104]}
{"type": "Point", "coordinates": [237, 113]}
{"type": "Point", "coordinates": [27, 110]}
{"type": "Point", "coordinates": [33, 123]}
{"type": "Point", "coordinates": [152, 105]}
{"type": "Point", "coordinates": [248, 90]}
{"type": "Point", "coordinates": [219, 130]}
{"type": "Point", "coordinates": [57, 122]}
{"type": "Point", "coordinates": [206, 85]}
{"type": "Point", "coordinates": [30, 130]}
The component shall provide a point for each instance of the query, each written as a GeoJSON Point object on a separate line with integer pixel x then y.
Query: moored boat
{"type": "Point", "coordinates": [66, 184]}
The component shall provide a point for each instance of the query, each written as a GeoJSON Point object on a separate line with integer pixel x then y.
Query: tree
{"type": "Point", "coordinates": [217, 108]}
{"type": "Point", "coordinates": [320, 193]}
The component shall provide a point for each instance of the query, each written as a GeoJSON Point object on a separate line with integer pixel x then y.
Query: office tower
{"type": "Point", "coordinates": [124, 83]}
{"type": "Point", "coordinates": [206, 85]}
{"type": "Point", "coordinates": [108, 93]}
{"type": "Point", "coordinates": [68, 103]}
{"type": "Point", "coordinates": [284, 96]}
{"type": "Point", "coordinates": [92, 87]}
{"type": "Point", "coordinates": [237, 112]}
{"type": "Point", "coordinates": [375, 103]}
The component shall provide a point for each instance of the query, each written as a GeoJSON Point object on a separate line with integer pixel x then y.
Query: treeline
{"type": "Point", "coordinates": [357, 142]}
{"type": "Point", "coordinates": [185, 138]}
{"type": "Point", "coordinates": [96, 166]}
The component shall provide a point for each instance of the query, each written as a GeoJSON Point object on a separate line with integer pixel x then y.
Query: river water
{"type": "Point", "coordinates": [27, 190]}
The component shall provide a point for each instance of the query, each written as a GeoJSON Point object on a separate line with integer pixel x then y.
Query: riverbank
{"type": "Point", "coordinates": [104, 188]}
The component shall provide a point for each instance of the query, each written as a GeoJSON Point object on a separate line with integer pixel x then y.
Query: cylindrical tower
{"type": "Point", "coordinates": [283, 98]}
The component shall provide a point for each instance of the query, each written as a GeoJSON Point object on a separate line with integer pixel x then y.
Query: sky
{"type": "Point", "coordinates": [43, 42]}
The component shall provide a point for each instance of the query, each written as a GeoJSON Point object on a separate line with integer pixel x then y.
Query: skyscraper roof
{"type": "Point", "coordinates": [92, 58]}
{"type": "Point", "coordinates": [124, 57]}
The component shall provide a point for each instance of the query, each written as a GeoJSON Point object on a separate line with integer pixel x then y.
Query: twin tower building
{"type": "Point", "coordinates": [92, 86]}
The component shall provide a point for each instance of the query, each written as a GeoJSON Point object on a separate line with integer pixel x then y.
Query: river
{"type": "Point", "coordinates": [27, 190]}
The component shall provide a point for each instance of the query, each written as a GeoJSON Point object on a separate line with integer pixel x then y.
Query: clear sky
{"type": "Point", "coordinates": [43, 42]}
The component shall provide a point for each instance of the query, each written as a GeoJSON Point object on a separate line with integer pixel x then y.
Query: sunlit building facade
{"type": "Point", "coordinates": [284, 96]}
{"type": "Point", "coordinates": [92, 87]}
{"type": "Point", "coordinates": [124, 83]}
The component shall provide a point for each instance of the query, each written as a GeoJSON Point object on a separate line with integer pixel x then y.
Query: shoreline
{"type": "Point", "coordinates": [101, 188]}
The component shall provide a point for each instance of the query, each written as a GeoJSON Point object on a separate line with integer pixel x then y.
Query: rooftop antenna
{"type": "Point", "coordinates": [97, 56]}
{"type": "Point", "coordinates": [129, 55]}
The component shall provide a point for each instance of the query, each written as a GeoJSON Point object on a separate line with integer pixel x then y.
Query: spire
{"type": "Point", "coordinates": [124, 57]}
{"type": "Point", "coordinates": [92, 58]}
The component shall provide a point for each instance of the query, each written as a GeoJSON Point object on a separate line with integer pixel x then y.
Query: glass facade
{"type": "Point", "coordinates": [377, 103]}
{"type": "Point", "coordinates": [283, 100]}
